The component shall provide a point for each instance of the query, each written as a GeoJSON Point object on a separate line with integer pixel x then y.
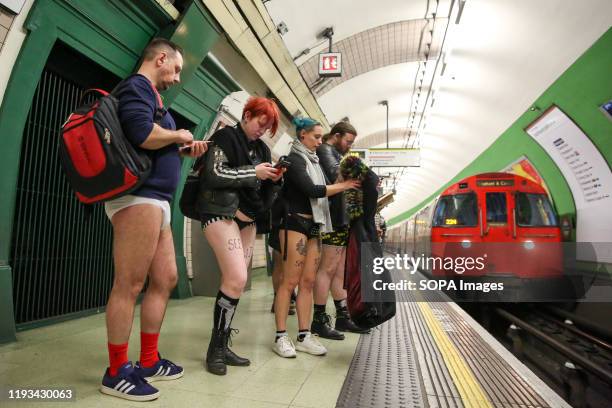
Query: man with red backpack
{"type": "Point", "coordinates": [142, 238]}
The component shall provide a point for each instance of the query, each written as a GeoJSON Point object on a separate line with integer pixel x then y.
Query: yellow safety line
{"type": "Point", "coordinates": [472, 394]}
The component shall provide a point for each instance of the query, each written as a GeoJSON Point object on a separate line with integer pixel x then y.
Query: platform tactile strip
{"type": "Point", "coordinates": [400, 364]}
{"type": "Point", "coordinates": [384, 372]}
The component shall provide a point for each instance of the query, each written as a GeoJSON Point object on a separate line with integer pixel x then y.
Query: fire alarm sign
{"type": "Point", "coordinates": [330, 64]}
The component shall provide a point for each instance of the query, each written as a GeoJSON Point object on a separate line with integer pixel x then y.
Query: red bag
{"type": "Point", "coordinates": [99, 161]}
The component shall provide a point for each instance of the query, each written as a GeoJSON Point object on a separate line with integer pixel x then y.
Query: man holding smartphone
{"type": "Point", "coordinates": [142, 239]}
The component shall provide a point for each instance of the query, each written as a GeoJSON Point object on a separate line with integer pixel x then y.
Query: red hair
{"type": "Point", "coordinates": [258, 105]}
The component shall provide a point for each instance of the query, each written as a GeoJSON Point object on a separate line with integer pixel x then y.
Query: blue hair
{"type": "Point", "coordinates": [306, 124]}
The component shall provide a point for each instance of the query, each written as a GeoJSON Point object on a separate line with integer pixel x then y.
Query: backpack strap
{"type": "Point", "coordinates": [101, 92]}
{"type": "Point", "coordinates": [160, 111]}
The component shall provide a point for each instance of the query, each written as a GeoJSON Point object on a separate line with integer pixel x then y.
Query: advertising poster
{"type": "Point", "coordinates": [524, 168]}
{"type": "Point", "coordinates": [585, 170]}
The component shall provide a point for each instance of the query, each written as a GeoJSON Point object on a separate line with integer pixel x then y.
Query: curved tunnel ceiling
{"type": "Point", "coordinates": [500, 58]}
{"type": "Point", "coordinates": [388, 44]}
{"type": "Point", "coordinates": [397, 138]}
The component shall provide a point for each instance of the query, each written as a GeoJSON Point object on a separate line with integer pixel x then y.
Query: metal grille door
{"type": "Point", "coordinates": [62, 263]}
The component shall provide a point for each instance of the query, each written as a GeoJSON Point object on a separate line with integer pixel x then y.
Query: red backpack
{"type": "Point", "coordinates": [99, 161]}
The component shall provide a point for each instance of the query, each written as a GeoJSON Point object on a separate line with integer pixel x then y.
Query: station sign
{"type": "Point", "coordinates": [394, 157]}
{"type": "Point", "coordinates": [330, 64]}
{"type": "Point", "coordinates": [389, 157]}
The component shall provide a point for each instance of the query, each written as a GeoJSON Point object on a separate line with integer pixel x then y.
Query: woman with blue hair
{"type": "Point", "coordinates": [305, 217]}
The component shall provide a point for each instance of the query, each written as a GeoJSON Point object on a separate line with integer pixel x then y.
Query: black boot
{"type": "Point", "coordinates": [231, 358]}
{"type": "Point", "coordinates": [345, 324]}
{"type": "Point", "coordinates": [215, 356]}
{"type": "Point", "coordinates": [291, 306]}
{"type": "Point", "coordinates": [321, 326]}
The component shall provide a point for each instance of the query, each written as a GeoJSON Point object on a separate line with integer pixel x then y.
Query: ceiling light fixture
{"type": "Point", "coordinates": [386, 104]}
{"type": "Point", "coordinates": [327, 33]}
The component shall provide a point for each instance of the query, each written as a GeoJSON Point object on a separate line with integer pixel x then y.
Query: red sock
{"type": "Point", "coordinates": [118, 356]}
{"type": "Point", "coordinates": [148, 349]}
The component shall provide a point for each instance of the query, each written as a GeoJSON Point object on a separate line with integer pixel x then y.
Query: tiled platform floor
{"type": "Point", "coordinates": [74, 354]}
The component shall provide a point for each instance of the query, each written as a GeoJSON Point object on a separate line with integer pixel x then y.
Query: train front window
{"type": "Point", "coordinates": [457, 210]}
{"type": "Point", "coordinates": [496, 208]}
{"type": "Point", "coordinates": [534, 210]}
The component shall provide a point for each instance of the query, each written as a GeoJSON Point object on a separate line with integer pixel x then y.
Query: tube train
{"type": "Point", "coordinates": [501, 226]}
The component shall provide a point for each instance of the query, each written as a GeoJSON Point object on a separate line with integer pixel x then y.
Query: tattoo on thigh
{"type": "Point", "coordinates": [339, 250]}
{"type": "Point", "coordinates": [248, 252]}
{"type": "Point", "coordinates": [299, 264]}
{"type": "Point", "coordinates": [234, 244]}
{"type": "Point", "coordinates": [300, 246]}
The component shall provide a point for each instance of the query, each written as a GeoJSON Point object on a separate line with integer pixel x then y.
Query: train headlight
{"type": "Point", "coordinates": [466, 243]}
{"type": "Point", "coordinates": [529, 244]}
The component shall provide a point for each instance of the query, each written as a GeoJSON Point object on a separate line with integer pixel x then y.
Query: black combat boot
{"type": "Point", "coordinates": [321, 326]}
{"type": "Point", "coordinates": [215, 356]}
{"type": "Point", "coordinates": [231, 358]}
{"type": "Point", "coordinates": [345, 324]}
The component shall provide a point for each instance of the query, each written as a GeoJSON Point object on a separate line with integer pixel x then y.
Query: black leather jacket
{"type": "Point", "coordinates": [219, 184]}
{"type": "Point", "coordinates": [329, 159]}
{"type": "Point", "coordinates": [221, 180]}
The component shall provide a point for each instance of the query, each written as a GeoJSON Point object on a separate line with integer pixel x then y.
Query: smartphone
{"type": "Point", "coordinates": [188, 149]}
{"type": "Point", "coordinates": [282, 163]}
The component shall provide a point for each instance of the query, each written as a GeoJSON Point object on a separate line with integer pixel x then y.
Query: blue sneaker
{"type": "Point", "coordinates": [163, 370]}
{"type": "Point", "coordinates": [128, 384]}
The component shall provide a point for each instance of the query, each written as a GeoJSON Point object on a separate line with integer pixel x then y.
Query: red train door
{"type": "Point", "coordinates": [497, 225]}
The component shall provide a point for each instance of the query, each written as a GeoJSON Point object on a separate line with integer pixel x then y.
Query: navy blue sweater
{"type": "Point", "coordinates": [137, 107]}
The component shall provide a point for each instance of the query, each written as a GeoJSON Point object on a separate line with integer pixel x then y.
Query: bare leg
{"type": "Point", "coordinates": [232, 255]}
{"type": "Point", "coordinates": [277, 271]}
{"type": "Point", "coordinates": [162, 279]}
{"type": "Point", "coordinates": [247, 235]}
{"type": "Point", "coordinates": [330, 257]}
{"type": "Point", "coordinates": [136, 232]}
{"type": "Point", "coordinates": [225, 239]}
{"type": "Point", "coordinates": [306, 285]}
{"type": "Point", "coordinates": [290, 277]}
{"type": "Point", "coordinates": [337, 285]}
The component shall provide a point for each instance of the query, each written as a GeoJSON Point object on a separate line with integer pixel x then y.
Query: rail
{"type": "Point", "coordinates": [588, 365]}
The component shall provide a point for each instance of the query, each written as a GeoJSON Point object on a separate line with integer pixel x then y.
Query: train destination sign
{"type": "Point", "coordinates": [389, 157]}
{"type": "Point", "coordinates": [494, 183]}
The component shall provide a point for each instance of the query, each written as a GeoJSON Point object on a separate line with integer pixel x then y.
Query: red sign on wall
{"type": "Point", "coordinates": [330, 64]}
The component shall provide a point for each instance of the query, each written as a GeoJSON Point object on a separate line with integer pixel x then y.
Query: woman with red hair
{"type": "Point", "coordinates": [237, 189]}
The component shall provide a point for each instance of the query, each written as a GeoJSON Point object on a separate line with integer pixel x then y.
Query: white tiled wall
{"type": "Point", "coordinates": [259, 252]}
{"type": "Point", "coordinates": [6, 19]}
